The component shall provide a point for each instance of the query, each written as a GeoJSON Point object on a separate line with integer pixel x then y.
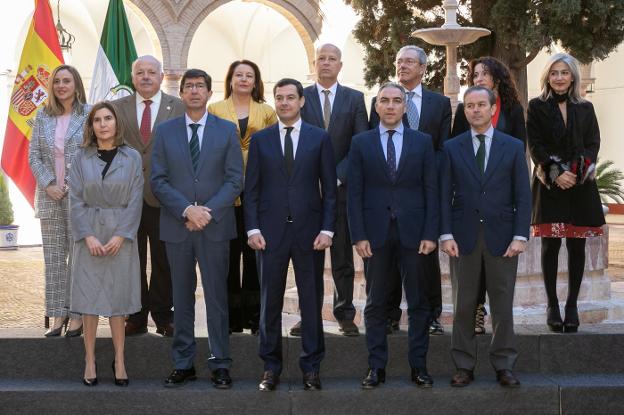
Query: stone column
{"type": "Point", "coordinates": [171, 83]}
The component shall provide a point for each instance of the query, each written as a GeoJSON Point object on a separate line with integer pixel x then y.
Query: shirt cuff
{"type": "Point", "coordinates": [520, 238]}
{"type": "Point", "coordinates": [185, 210]}
{"type": "Point", "coordinates": [252, 232]}
{"type": "Point", "coordinates": [328, 233]}
{"type": "Point", "coordinates": [339, 182]}
{"type": "Point", "coordinates": [446, 237]}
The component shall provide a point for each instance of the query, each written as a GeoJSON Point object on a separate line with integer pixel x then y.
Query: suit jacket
{"type": "Point", "coordinates": [435, 117]}
{"type": "Point", "coordinates": [348, 118]}
{"type": "Point", "coordinates": [42, 161]}
{"type": "Point", "coordinates": [216, 184]}
{"type": "Point", "coordinates": [500, 199]}
{"type": "Point", "coordinates": [510, 122]}
{"type": "Point", "coordinates": [372, 195]}
{"type": "Point", "coordinates": [170, 107]}
{"type": "Point", "coordinates": [308, 196]}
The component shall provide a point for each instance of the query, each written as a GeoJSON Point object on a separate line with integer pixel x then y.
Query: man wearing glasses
{"type": "Point", "coordinates": [197, 173]}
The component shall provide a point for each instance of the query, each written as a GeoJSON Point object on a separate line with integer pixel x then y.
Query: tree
{"type": "Point", "coordinates": [588, 29]}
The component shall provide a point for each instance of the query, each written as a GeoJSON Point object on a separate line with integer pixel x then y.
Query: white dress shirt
{"type": "Point", "coordinates": [200, 130]}
{"type": "Point", "coordinates": [154, 106]}
{"type": "Point", "coordinates": [397, 139]}
{"type": "Point", "coordinates": [332, 94]}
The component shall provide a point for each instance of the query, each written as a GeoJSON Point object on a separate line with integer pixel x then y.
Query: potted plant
{"type": "Point", "coordinates": [8, 231]}
{"type": "Point", "coordinates": [609, 182]}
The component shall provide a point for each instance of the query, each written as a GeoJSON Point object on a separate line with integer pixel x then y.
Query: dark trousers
{"type": "Point", "coordinates": [434, 287]}
{"type": "Point", "coordinates": [243, 295]}
{"type": "Point", "coordinates": [212, 258]}
{"type": "Point", "coordinates": [413, 272]}
{"type": "Point", "coordinates": [155, 297]}
{"type": "Point", "coordinates": [308, 265]}
{"type": "Point", "coordinates": [342, 262]}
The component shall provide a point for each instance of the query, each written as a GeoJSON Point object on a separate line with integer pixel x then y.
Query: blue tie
{"type": "Point", "coordinates": [194, 145]}
{"type": "Point", "coordinates": [391, 156]}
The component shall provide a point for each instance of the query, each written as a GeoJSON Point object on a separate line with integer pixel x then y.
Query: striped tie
{"type": "Point", "coordinates": [194, 145]}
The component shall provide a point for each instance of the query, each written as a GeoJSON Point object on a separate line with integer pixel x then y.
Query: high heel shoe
{"type": "Point", "coordinates": [571, 323]}
{"type": "Point", "coordinates": [92, 381]}
{"type": "Point", "coordinates": [74, 333]}
{"type": "Point", "coordinates": [553, 319]}
{"type": "Point", "coordinates": [119, 382]}
{"type": "Point", "coordinates": [56, 331]}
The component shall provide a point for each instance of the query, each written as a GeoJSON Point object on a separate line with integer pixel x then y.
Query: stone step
{"type": "Point", "coordinates": [539, 394]}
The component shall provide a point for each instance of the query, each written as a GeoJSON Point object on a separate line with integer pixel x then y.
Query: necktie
{"type": "Point", "coordinates": [326, 109]}
{"type": "Point", "coordinates": [413, 117]}
{"type": "Point", "coordinates": [391, 156]}
{"type": "Point", "coordinates": [289, 156]}
{"type": "Point", "coordinates": [146, 122]}
{"type": "Point", "coordinates": [194, 145]}
{"type": "Point", "coordinates": [481, 153]}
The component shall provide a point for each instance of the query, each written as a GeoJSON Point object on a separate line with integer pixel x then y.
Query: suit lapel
{"type": "Point", "coordinates": [315, 105]}
{"type": "Point", "coordinates": [302, 147]}
{"type": "Point", "coordinates": [425, 108]}
{"type": "Point", "coordinates": [338, 103]}
{"type": "Point", "coordinates": [408, 142]}
{"type": "Point", "coordinates": [276, 145]}
{"type": "Point", "coordinates": [467, 151]}
{"type": "Point", "coordinates": [207, 142]}
{"type": "Point", "coordinates": [379, 153]}
{"type": "Point", "coordinates": [183, 144]}
{"type": "Point", "coordinates": [49, 128]}
{"type": "Point", "coordinates": [496, 155]}
{"type": "Point", "coordinates": [75, 122]}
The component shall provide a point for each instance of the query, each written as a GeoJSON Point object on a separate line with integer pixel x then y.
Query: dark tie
{"type": "Point", "coordinates": [194, 145]}
{"type": "Point", "coordinates": [391, 156]}
{"type": "Point", "coordinates": [481, 153]}
{"type": "Point", "coordinates": [326, 109]}
{"type": "Point", "coordinates": [146, 122]}
{"type": "Point", "coordinates": [289, 156]}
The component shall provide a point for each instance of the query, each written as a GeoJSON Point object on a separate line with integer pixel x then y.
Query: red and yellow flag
{"type": "Point", "coordinates": [41, 54]}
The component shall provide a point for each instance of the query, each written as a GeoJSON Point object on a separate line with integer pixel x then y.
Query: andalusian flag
{"type": "Point", "coordinates": [112, 75]}
{"type": "Point", "coordinates": [41, 54]}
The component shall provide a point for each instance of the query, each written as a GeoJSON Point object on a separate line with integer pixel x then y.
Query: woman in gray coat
{"type": "Point", "coordinates": [57, 133]}
{"type": "Point", "coordinates": [106, 196]}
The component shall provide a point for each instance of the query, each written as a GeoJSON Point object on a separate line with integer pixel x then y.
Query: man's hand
{"type": "Point", "coordinates": [199, 216]}
{"type": "Point", "coordinates": [191, 227]}
{"type": "Point", "coordinates": [113, 246]}
{"type": "Point", "coordinates": [363, 249]}
{"type": "Point", "coordinates": [55, 192]}
{"type": "Point", "coordinates": [94, 246]}
{"type": "Point", "coordinates": [515, 248]}
{"type": "Point", "coordinates": [426, 247]}
{"type": "Point", "coordinates": [322, 242]}
{"type": "Point", "coordinates": [257, 242]}
{"type": "Point", "coordinates": [566, 180]}
{"type": "Point", "coordinates": [450, 248]}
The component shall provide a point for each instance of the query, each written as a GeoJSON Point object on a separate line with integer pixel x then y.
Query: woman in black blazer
{"type": "Point", "coordinates": [564, 139]}
{"type": "Point", "coordinates": [491, 73]}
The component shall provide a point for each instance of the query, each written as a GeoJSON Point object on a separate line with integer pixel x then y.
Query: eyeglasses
{"type": "Point", "coordinates": [199, 86]}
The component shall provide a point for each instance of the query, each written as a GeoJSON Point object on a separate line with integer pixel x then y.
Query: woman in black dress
{"type": "Point", "coordinates": [564, 139]}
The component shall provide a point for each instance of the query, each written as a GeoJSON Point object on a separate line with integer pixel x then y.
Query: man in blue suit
{"type": "Point", "coordinates": [197, 173]}
{"type": "Point", "coordinates": [290, 203]}
{"type": "Point", "coordinates": [341, 111]}
{"type": "Point", "coordinates": [485, 204]}
{"type": "Point", "coordinates": [393, 217]}
{"type": "Point", "coordinates": [430, 113]}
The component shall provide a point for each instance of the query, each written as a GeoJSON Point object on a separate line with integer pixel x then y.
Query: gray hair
{"type": "Point", "coordinates": [489, 92]}
{"type": "Point", "coordinates": [392, 85]}
{"type": "Point", "coordinates": [149, 58]}
{"type": "Point", "coordinates": [575, 89]}
{"type": "Point", "coordinates": [330, 45]}
{"type": "Point", "coordinates": [422, 56]}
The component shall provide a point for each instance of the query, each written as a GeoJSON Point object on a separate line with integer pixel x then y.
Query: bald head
{"type": "Point", "coordinates": [147, 75]}
{"type": "Point", "coordinates": [327, 64]}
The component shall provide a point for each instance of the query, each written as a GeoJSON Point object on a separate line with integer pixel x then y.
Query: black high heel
{"type": "Point", "coordinates": [553, 319]}
{"type": "Point", "coordinates": [92, 381]}
{"type": "Point", "coordinates": [119, 382]}
{"type": "Point", "coordinates": [57, 331]}
{"type": "Point", "coordinates": [74, 333]}
{"type": "Point", "coordinates": [571, 323]}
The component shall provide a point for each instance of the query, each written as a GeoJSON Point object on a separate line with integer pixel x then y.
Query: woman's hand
{"type": "Point", "coordinates": [55, 192]}
{"type": "Point", "coordinates": [113, 246]}
{"type": "Point", "coordinates": [566, 180]}
{"type": "Point", "coordinates": [94, 246]}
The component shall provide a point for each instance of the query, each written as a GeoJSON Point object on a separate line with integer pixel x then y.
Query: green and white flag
{"type": "Point", "coordinates": [112, 75]}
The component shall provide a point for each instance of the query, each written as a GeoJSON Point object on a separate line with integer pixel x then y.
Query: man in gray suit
{"type": "Point", "coordinates": [139, 114]}
{"type": "Point", "coordinates": [197, 173]}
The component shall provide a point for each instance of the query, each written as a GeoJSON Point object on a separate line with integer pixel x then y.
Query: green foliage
{"type": "Point", "coordinates": [609, 182]}
{"type": "Point", "coordinates": [6, 208]}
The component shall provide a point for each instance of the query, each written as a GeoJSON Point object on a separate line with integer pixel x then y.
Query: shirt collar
{"type": "Point", "coordinates": [332, 88]}
{"type": "Point", "coordinates": [155, 99]}
{"type": "Point", "coordinates": [488, 134]}
{"type": "Point", "coordinates": [383, 130]}
{"type": "Point", "coordinates": [202, 120]}
{"type": "Point", "coordinates": [296, 125]}
{"type": "Point", "coordinates": [417, 91]}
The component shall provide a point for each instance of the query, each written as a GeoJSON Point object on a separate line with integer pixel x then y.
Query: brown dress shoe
{"type": "Point", "coordinates": [348, 328]}
{"type": "Point", "coordinates": [132, 329]}
{"type": "Point", "coordinates": [165, 330]}
{"type": "Point", "coordinates": [461, 378]}
{"type": "Point", "coordinates": [506, 378]}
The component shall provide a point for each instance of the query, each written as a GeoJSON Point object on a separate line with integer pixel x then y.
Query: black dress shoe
{"type": "Point", "coordinates": [92, 381]}
{"type": "Point", "coordinates": [311, 381]}
{"type": "Point", "coordinates": [119, 382]}
{"type": "Point", "coordinates": [553, 319]}
{"type": "Point", "coordinates": [436, 328]}
{"type": "Point", "coordinates": [392, 326]}
{"type": "Point", "coordinates": [296, 329]}
{"type": "Point", "coordinates": [421, 378]}
{"type": "Point", "coordinates": [373, 378]}
{"type": "Point", "coordinates": [269, 381]}
{"type": "Point", "coordinates": [179, 377]}
{"type": "Point", "coordinates": [132, 329]}
{"type": "Point", "coordinates": [221, 378]}
{"type": "Point", "coordinates": [348, 328]}
{"type": "Point", "coordinates": [165, 330]}
{"type": "Point", "coordinates": [507, 379]}
{"type": "Point", "coordinates": [571, 322]}
{"type": "Point", "coordinates": [461, 378]}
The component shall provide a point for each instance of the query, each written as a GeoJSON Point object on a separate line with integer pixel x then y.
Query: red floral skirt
{"type": "Point", "coordinates": [564, 230]}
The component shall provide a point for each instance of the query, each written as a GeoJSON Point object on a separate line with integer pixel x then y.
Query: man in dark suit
{"type": "Point", "coordinates": [290, 203]}
{"type": "Point", "coordinates": [430, 113]}
{"type": "Point", "coordinates": [485, 205]}
{"type": "Point", "coordinates": [140, 113]}
{"type": "Point", "coordinates": [197, 173]}
{"type": "Point", "coordinates": [393, 217]}
{"type": "Point", "coordinates": [341, 111]}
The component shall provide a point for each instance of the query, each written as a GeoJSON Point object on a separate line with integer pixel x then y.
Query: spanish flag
{"type": "Point", "coordinates": [41, 54]}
